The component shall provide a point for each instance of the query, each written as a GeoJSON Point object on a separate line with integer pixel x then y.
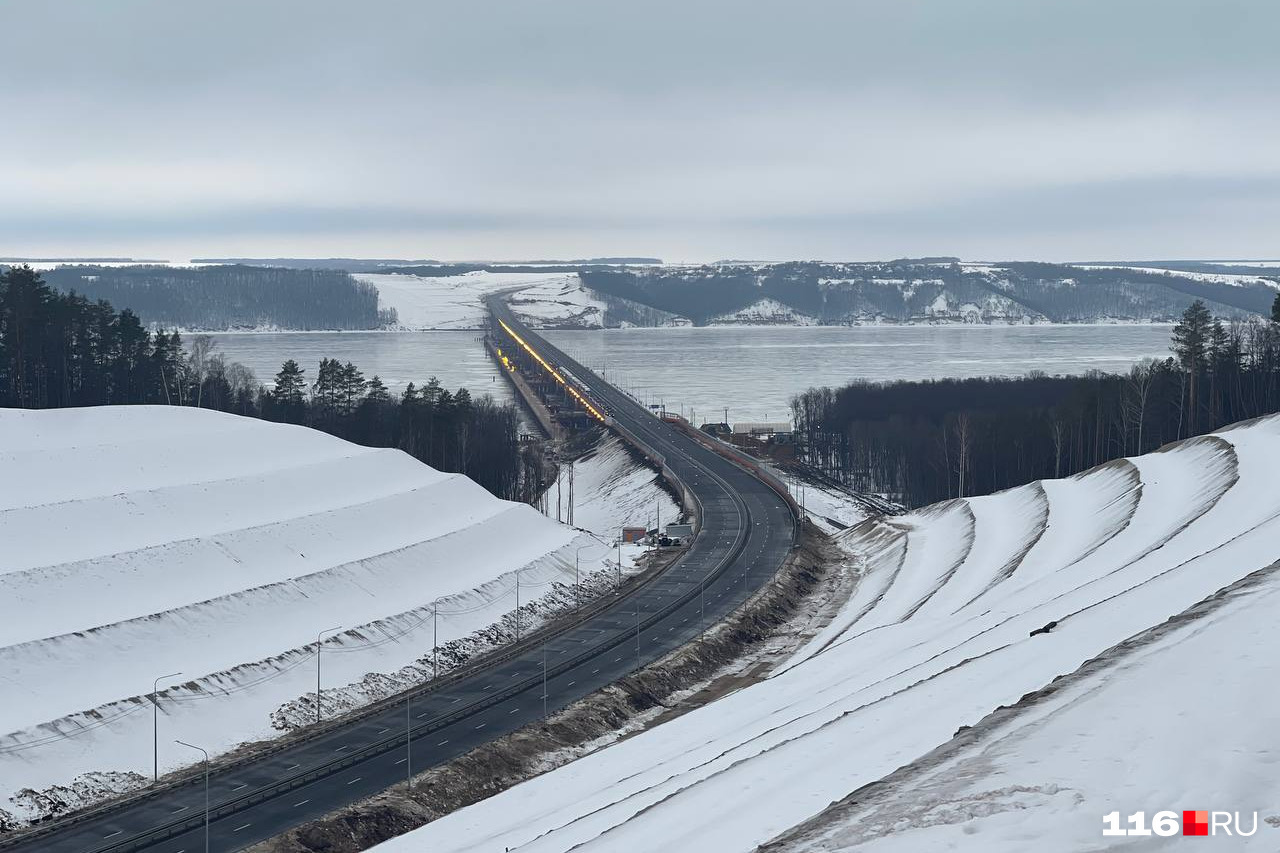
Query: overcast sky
{"type": "Point", "coordinates": [685, 129]}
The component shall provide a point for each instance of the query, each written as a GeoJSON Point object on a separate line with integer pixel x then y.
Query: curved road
{"type": "Point", "coordinates": [747, 531]}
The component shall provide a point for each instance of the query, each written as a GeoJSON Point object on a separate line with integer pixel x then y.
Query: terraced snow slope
{"type": "Point", "coordinates": [1157, 689]}
{"type": "Point", "coordinates": [140, 541]}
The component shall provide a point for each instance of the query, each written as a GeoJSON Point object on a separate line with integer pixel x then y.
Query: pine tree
{"type": "Point", "coordinates": [1191, 338]}
{"type": "Point", "coordinates": [377, 391]}
{"type": "Point", "coordinates": [289, 392]}
{"type": "Point", "coordinates": [1275, 310]}
{"type": "Point", "coordinates": [351, 384]}
{"type": "Point", "coordinates": [328, 386]}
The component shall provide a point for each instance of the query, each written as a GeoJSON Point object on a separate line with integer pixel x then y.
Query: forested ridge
{"type": "Point", "coordinates": [933, 290]}
{"type": "Point", "coordinates": [228, 297]}
{"type": "Point", "coordinates": [921, 442]}
{"type": "Point", "coordinates": [62, 349]}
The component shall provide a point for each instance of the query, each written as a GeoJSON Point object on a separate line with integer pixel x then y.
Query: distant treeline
{"type": "Point", "coordinates": [59, 350]}
{"type": "Point", "coordinates": [922, 442]}
{"type": "Point", "coordinates": [914, 290]}
{"type": "Point", "coordinates": [231, 297]}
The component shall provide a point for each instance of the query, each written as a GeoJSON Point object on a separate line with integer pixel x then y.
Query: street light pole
{"type": "Point", "coordinates": [544, 681]}
{"type": "Point", "coordinates": [155, 722]}
{"type": "Point", "coordinates": [206, 790]}
{"type": "Point", "coordinates": [435, 638]}
{"type": "Point", "coordinates": [318, 647]}
{"type": "Point", "coordinates": [408, 744]}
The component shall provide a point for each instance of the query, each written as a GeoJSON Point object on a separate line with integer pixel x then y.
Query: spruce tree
{"type": "Point", "coordinates": [1275, 310]}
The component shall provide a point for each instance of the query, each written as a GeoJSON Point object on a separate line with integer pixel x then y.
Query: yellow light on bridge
{"type": "Point", "coordinates": [591, 410]}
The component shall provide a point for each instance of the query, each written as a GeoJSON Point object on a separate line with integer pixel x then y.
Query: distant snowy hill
{"type": "Point", "coordinates": [932, 291]}
{"type": "Point", "coordinates": [936, 713]}
{"type": "Point", "coordinates": [140, 541]}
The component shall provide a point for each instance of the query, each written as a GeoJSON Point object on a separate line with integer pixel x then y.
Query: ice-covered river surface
{"type": "Point", "coordinates": [751, 371]}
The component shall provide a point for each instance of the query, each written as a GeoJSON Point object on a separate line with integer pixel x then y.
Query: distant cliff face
{"type": "Point", "coordinates": [932, 291]}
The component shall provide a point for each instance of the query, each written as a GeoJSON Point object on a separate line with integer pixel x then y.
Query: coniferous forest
{"type": "Point", "coordinates": [231, 296]}
{"type": "Point", "coordinates": [921, 442]}
{"type": "Point", "coordinates": [63, 349]}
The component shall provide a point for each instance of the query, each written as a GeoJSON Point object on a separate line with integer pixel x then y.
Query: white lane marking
{"type": "Point", "coordinates": [383, 730]}
{"type": "Point", "coordinates": [571, 683]}
{"type": "Point", "coordinates": [180, 809]}
{"type": "Point", "coordinates": [355, 780]}
{"type": "Point", "coordinates": [455, 701]}
{"type": "Point", "coordinates": [512, 711]}
{"type": "Point", "coordinates": [303, 803]}
{"type": "Point", "coordinates": [420, 716]}
{"type": "Point", "coordinates": [114, 834]}
{"type": "Point", "coordinates": [402, 761]}
{"type": "Point", "coordinates": [238, 828]}
{"type": "Point", "coordinates": [443, 742]}
{"type": "Point", "coordinates": [487, 686]}
{"type": "Point", "coordinates": [341, 748]}
{"type": "Point", "coordinates": [594, 671]}
{"type": "Point", "coordinates": [241, 785]}
{"type": "Point", "coordinates": [479, 727]}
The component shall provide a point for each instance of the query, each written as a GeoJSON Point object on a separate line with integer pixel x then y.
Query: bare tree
{"type": "Point", "coordinates": [1137, 390]}
{"type": "Point", "coordinates": [1058, 432]}
{"type": "Point", "coordinates": [202, 347]}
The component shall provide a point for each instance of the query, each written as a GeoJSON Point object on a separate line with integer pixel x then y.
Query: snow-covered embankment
{"type": "Point", "coordinates": [141, 541]}
{"type": "Point", "coordinates": [1155, 687]}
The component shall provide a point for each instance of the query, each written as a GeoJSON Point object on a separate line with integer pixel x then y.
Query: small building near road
{"type": "Point", "coordinates": [679, 531]}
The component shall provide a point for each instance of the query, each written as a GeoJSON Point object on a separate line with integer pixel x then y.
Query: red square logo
{"type": "Point", "coordinates": [1195, 823]}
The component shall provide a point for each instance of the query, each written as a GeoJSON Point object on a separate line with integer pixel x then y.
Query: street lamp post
{"type": "Point", "coordinates": [435, 638]}
{"type": "Point", "coordinates": [206, 790]}
{"type": "Point", "coordinates": [318, 647]}
{"type": "Point", "coordinates": [155, 722]}
{"type": "Point", "coordinates": [408, 744]}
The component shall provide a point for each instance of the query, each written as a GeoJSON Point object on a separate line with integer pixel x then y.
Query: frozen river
{"type": "Point", "coordinates": [751, 371]}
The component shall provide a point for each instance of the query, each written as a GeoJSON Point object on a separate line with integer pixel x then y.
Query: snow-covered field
{"type": "Point", "coordinates": [556, 300]}
{"type": "Point", "coordinates": [1154, 690]}
{"type": "Point", "coordinates": [141, 541]}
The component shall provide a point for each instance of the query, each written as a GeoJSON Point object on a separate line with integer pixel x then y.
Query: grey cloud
{"type": "Point", "coordinates": [693, 124]}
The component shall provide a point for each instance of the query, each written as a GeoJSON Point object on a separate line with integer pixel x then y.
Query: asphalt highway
{"type": "Point", "coordinates": [747, 532]}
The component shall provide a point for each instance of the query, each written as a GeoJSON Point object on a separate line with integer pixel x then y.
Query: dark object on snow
{"type": "Point", "coordinates": [1046, 629]}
